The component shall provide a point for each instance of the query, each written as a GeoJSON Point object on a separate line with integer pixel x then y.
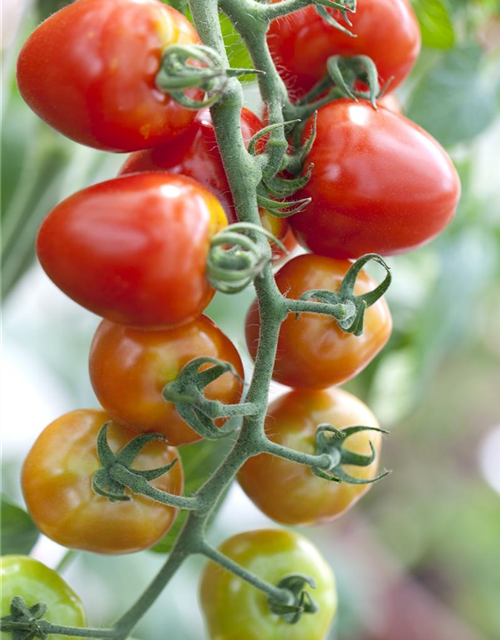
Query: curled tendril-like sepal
{"type": "Point", "coordinates": [355, 306]}
{"type": "Point", "coordinates": [300, 601]}
{"type": "Point", "coordinates": [327, 17]}
{"type": "Point", "coordinates": [186, 392]}
{"type": "Point", "coordinates": [278, 208]}
{"type": "Point", "coordinates": [235, 259]}
{"type": "Point", "coordinates": [186, 67]}
{"type": "Point", "coordinates": [28, 617]}
{"type": "Point", "coordinates": [345, 71]}
{"type": "Point", "coordinates": [331, 441]}
{"type": "Point", "coordinates": [104, 484]}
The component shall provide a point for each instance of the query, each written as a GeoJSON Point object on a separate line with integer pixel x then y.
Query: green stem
{"type": "Point", "coordinates": [280, 595]}
{"type": "Point", "coordinates": [55, 629]}
{"type": "Point", "coordinates": [338, 311]}
{"type": "Point", "coordinates": [141, 486]}
{"type": "Point", "coordinates": [66, 560]}
{"type": "Point", "coordinates": [321, 461]}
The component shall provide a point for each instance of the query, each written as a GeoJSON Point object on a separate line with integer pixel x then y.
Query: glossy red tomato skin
{"type": "Point", "coordinates": [57, 487]}
{"type": "Point", "coordinates": [195, 154]}
{"type": "Point", "coordinates": [380, 184]}
{"type": "Point", "coordinates": [134, 249]}
{"type": "Point", "coordinates": [313, 352]}
{"type": "Point", "coordinates": [130, 367]}
{"type": "Point", "coordinates": [291, 494]}
{"type": "Point", "coordinates": [387, 31]}
{"type": "Point", "coordinates": [89, 71]}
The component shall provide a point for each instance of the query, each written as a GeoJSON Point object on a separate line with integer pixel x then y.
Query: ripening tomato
{"type": "Point", "coordinates": [380, 184]}
{"type": "Point", "coordinates": [57, 486]}
{"type": "Point", "coordinates": [236, 610]}
{"type": "Point", "coordinates": [290, 493]}
{"type": "Point", "coordinates": [313, 352]}
{"type": "Point", "coordinates": [130, 367]}
{"type": "Point", "coordinates": [89, 71]}
{"type": "Point", "coordinates": [34, 582]}
{"type": "Point", "coordinates": [134, 249]}
{"type": "Point", "coordinates": [195, 154]}
{"type": "Point", "coordinates": [386, 31]}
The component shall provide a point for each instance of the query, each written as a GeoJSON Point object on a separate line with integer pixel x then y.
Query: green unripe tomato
{"type": "Point", "coordinates": [34, 582]}
{"type": "Point", "coordinates": [235, 610]}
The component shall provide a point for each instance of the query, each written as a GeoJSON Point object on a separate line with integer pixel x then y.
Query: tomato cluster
{"type": "Point", "coordinates": [134, 251]}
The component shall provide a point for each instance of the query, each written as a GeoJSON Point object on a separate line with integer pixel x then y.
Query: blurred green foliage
{"type": "Point", "coordinates": [435, 385]}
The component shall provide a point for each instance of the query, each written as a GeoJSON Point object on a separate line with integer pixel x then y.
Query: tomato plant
{"type": "Point", "coordinates": [57, 488]}
{"type": "Point", "coordinates": [313, 352]}
{"type": "Point", "coordinates": [394, 191]}
{"type": "Point", "coordinates": [235, 610]}
{"type": "Point", "coordinates": [99, 63]}
{"type": "Point", "coordinates": [34, 582]}
{"type": "Point", "coordinates": [385, 30]}
{"type": "Point", "coordinates": [290, 493]}
{"type": "Point", "coordinates": [130, 367]}
{"type": "Point", "coordinates": [144, 238]}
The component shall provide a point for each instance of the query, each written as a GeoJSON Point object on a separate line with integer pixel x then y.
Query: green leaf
{"type": "Point", "coordinates": [19, 532]}
{"type": "Point", "coordinates": [435, 24]}
{"type": "Point", "coordinates": [453, 101]}
{"type": "Point", "coordinates": [238, 55]}
{"type": "Point", "coordinates": [199, 461]}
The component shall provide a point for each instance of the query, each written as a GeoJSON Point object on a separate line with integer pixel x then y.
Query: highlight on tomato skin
{"type": "Point", "coordinates": [313, 352]}
{"type": "Point", "coordinates": [129, 368]}
{"type": "Point", "coordinates": [195, 154]}
{"type": "Point", "coordinates": [290, 493]}
{"type": "Point", "coordinates": [236, 610]}
{"type": "Point", "coordinates": [89, 71]}
{"type": "Point", "coordinates": [394, 191]}
{"type": "Point", "coordinates": [387, 31]}
{"type": "Point", "coordinates": [134, 249]}
{"type": "Point", "coordinates": [57, 487]}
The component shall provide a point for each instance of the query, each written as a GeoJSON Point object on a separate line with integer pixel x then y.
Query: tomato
{"type": "Point", "coordinates": [57, 486]}
{"type": "Point", "coordinates": [195, 154]}
{"type": "Point", "coordinates": [390, 101]}
{"type": "Point", "coordinates": [313, 352]}
{"type": "Point", "coordinates": [89, 71]}
{"type": "Point", "coordinates": [34, 582]}
{"type": "Point", "coordinates": [387, 31]}
{"type": "Point", "coordinates": [130, 367]}
{"type": "Point", "coordinates": [134, 249]}
{"type": "Point", "coordinates": [290, 493]}
{"type": "Point", "coordinates": [235, 610]}
{"type": "Point", "coordinates": [380, 184]}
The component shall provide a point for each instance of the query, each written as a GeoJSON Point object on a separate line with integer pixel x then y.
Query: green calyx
{"type": "Point", "coordinates": [344, 305]}
{"type": "Point", "coordinates": [105, 482]}
{"type": "Point", "coordinates": [186, 392]}
{"type": "Point", "coordinates": [235, 259]}
{"type": "Point", "coordinates": [331, 441]}
{"type": "Point", "coordinates": [299, 601]}
{"type": "Point", "coordinates": [195, 66]}
{"type": "Point", "coordinates": [26, 620]}
{"type": "Point", "coordinates": [347, 71]}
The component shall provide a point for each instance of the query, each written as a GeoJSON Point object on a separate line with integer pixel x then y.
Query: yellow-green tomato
{"type": "Point", "coordinates": [235, 610]}
{"type": "Point", "coordinates": [34, 582]}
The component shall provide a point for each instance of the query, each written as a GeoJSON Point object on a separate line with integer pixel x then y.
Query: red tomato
{"type": "Point", "coordinates": [386, 30]}
{"type": "Point", "coordinates": [195, 154]}
{"type": "Point", "coordinates": [313, 352]}
{"type": "Point", "coordinates": [130, 367]}
{"type": "Point", "coordinates": [380, 184]}
{"type": "Point", "coordinates": [90, 69]}
{"type": "Point", "coordinates": [57, 486]}
{"type": "Point", "coordinates": [289, 492]}
{"type": "Point", "coordinates": [134, 249]}
{"type": "Point", "coordinates": [390, 101]}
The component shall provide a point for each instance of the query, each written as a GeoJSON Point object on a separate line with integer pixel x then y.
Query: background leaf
{"type": "Point", "coordinates": [435, 24]}
{"type": "Point", "coordinates": [199, 461]}
{"type": "Point", "coordinates": [19, 533]}
{"type": "Point", "coordinates": [452, 101]}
